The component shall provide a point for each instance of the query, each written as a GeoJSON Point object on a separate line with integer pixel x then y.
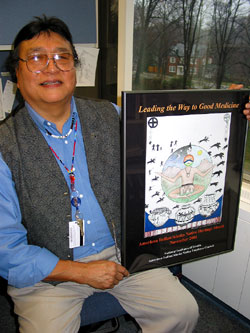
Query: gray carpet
{"type": "Point", "coordinates": [214, 317]}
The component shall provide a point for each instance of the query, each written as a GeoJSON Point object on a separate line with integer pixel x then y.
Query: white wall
{"type": "Point", "coordinates": [227, 276]}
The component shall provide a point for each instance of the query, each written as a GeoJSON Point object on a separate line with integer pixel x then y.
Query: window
{"type": "Point", "coordinates": [210, 59]}
{"type": "Point", "coordinates": [172, 60]}
{"type": "Point", "coordinates": [172, 69]}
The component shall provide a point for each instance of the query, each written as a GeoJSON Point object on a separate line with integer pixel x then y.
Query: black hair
{"type": "Point", "coordinates": [35, 28]}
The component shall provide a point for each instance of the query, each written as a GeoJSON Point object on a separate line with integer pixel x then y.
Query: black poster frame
{"type": "Point", "coordinates": [202, 221]}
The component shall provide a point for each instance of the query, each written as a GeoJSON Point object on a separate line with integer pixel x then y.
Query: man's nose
{"type": "Point", "coordinates": [51, 66]}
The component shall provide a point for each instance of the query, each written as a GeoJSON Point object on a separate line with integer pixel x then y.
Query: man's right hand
{"type": "Point", "coordinates": [100, 274]}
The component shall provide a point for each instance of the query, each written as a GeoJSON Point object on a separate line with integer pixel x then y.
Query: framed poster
{"type": "Point", "coordinates": [182, 164]}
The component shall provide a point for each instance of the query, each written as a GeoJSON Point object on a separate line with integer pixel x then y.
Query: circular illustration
{"type": "Point", "coordinates": [186, 174]}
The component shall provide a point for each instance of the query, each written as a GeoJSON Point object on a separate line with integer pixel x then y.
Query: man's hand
{"type": "Point", "coordinates": [100, 274]}
{"type": "Point", "coordinates": [246, 111]}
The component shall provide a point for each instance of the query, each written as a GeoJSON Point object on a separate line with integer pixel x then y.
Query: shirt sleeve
{"type": "Point", "coordinates": [21, 264]}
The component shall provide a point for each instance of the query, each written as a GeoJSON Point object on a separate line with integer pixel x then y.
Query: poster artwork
{"type": "Point", "coordinates": [182, 162]}
{"type": "Point", "coordinates": [186, 158]}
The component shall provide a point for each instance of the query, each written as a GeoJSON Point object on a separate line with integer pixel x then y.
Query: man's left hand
{"type": "Point", "coordinates": [246, 111]}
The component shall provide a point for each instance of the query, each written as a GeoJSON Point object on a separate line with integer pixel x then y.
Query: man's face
{"type": "Point", "coordinates": [51, 86]}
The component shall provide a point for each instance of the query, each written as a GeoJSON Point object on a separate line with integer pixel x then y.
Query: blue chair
{"type": "Point", "coordinates": [97, 309]}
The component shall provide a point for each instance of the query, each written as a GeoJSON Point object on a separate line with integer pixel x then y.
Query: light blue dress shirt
{"type": "Point", "coordinates": [22, 264]}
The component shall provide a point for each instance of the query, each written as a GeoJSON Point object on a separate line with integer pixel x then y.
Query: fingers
{"type": "Point", "coordinates": [247, 113]}
{"type": "Point", "coordinates": [247, 106]}
{"type": "Point", "coordinates": [119, 276]}
{"type": "Point", "coordinates": [104, 274]}
{"type": "Point", "coordinates": [113, 276]}
{"type": "Point", "coordinates": [122, 270]}
{"type": "Point", "coordinates": [117, 273]}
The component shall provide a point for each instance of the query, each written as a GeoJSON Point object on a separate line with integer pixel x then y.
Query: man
{"type": "Point", "coordinates": [59, 199]}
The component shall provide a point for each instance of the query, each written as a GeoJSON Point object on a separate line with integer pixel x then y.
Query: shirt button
{"type": "Point", "coordinates": [66, 142]}
{"type": "Point", "coordinates": [48, 123]}
{"type": "Point", "coordinates": [93, 244]}
{"type": "Point", "coordinates": [88, 222]}
{"type": "Point", "coordinates": [81, 196]}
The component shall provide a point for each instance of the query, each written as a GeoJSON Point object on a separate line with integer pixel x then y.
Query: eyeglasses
{"type": "Point", "coordinates": [37, 63]}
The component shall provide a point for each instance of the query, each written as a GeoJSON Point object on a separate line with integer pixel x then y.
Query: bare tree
{"type": "Point", "coordinates": [167, 32]}
{"type": "Point", "coordinates": [191, 16]}
{"type": "Point", "coordinates": [158, 27]}
{"type": "Point", "coordinates": [224, 21]}
{"type": "Point", "coordinates": [242, 51]}
{"type": "Point", "coordinates": [144, 10]}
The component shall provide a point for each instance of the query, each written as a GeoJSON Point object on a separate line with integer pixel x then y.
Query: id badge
{"type": "Point", "coordinates": [76, 234]}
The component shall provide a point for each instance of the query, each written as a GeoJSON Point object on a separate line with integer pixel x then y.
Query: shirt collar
{"type": "Point", "coordinates": [42, 123]}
